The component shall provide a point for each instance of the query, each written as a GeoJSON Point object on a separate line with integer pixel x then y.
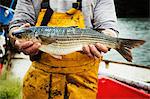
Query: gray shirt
{"type": "Point", "coordinates": [97, 13]}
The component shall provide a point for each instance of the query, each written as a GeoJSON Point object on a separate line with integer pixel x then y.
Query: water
{"type": "Point", "coordinates": [134, 28]}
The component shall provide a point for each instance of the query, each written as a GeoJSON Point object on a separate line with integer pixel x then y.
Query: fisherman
{"type": "Point", "coordinates": [72, 76]}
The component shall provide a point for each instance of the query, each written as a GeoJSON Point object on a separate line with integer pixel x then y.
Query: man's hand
{"type": "Point", "coordinates": [95, 51]}
{"type": "Point", "coordinates": [27, 47]}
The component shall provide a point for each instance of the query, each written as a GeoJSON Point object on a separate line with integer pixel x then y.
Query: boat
{"type": "Point", "coordinates": [125, 69]}
{"type": "Point", "coordinates": [121, 80]}
{"type": "Point", "coordinates": [109, 88]}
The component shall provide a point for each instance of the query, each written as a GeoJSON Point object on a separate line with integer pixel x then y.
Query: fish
{"type": "Point", "coordinates": [66, 40]}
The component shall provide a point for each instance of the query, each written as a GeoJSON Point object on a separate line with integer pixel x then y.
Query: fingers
{"type": "Point", "coordinates": [87, 51]}
{"type": "Point", "coordinates": [23, 44]}
{"type": "Point", "coordinates": [101, 47]}
{"type": "Point", "coordinates": [22, 26]}
{"type": "Point", "coordinates": [94, 51]}
{"type": "Point", "coordinates": [25, 25]}
{"type": "Point", "coordinates": [32, 50]}
{"type": "Point", "coordinates": [27, 47]}
{"type": "Point", "coordinates": [110, 32]}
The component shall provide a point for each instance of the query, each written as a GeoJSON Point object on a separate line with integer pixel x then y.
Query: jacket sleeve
{"type": "Point", "coordinates": [24, 13]}
{"type": "Point", "coordinates": [105, 15]}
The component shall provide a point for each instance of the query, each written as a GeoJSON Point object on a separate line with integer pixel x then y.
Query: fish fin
{"type": "Point", "coordinates": [125, 46]}
{"type": "Point", "coordinates": [44, 48]}
{"type": "Point", "coordinates": [46, 40]}
{"type": "Point", "coordinates": [56, 56]}
{"type": "Point", "coordinates": [126, 53]}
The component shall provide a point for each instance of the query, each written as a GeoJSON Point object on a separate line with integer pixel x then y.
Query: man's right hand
{"type": "Point", "coordinates": [27, 47]}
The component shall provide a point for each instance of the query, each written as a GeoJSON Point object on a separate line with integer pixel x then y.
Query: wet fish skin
{"type": "Point", "coordinates": [65, 40]}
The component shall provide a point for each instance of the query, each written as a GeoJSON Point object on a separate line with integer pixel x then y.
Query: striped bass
{"type": "Point", "coordinates": [65, 40]}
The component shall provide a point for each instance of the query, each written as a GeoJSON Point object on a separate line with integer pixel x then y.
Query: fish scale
{"type": "Point", "coordinates": [65, 40]}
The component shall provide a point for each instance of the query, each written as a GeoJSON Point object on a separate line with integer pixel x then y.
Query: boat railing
{"type": "Point", "coordinates": [124, 63]}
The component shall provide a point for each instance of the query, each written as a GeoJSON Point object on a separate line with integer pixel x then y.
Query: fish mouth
{"type": "Point", "coordinates": [21, 31]}
{"type": "Point", "coordinates": [17, 32]}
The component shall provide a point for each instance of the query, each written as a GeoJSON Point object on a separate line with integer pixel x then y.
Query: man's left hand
{"type": "Point", "coordinates": [95, 51]}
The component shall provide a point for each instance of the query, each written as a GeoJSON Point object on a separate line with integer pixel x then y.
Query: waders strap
{"type": "Point", "coordinates": [77, 5]}
{"type": "Point", "coordinates": [80, 4]}
{"type": "Point", "coordinates": [47, 16]}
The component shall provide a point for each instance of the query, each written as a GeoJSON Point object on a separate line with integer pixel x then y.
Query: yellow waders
{"type": "Point", "coordinates": [75, 76]}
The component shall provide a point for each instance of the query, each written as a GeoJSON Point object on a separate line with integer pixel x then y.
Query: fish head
{"type": "Point", "coordinates": [25, 33]}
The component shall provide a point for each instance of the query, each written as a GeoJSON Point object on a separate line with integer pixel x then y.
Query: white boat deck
{"type": "Point", "coordinates": [126, 71]}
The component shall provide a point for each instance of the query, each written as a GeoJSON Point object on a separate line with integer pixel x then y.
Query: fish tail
{"type": "Point", "coordinates": [125, 46]}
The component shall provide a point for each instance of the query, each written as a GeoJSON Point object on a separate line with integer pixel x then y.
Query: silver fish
{"type": "Point", "coordinates": [65, 40]}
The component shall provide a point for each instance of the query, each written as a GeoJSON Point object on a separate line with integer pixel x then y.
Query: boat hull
{"type": "Point", "coordinates": [112, 89]}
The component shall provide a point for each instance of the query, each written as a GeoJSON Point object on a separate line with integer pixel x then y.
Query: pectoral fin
{"type": "Point", "coordinates": [46, 40]}
{"type": "Point", "coordinates": [56, 56]}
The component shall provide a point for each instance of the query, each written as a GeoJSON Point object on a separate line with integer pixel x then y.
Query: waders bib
{"type": "Point", "coordinates": [74, 76]}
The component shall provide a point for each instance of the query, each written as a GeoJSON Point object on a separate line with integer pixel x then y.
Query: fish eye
{"type": "Point", "coordinates": [28, 31]}
{"type": "Point", "coordinates": [19, 36]}
{"type": "Point", "coordinates": [37, 37]}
